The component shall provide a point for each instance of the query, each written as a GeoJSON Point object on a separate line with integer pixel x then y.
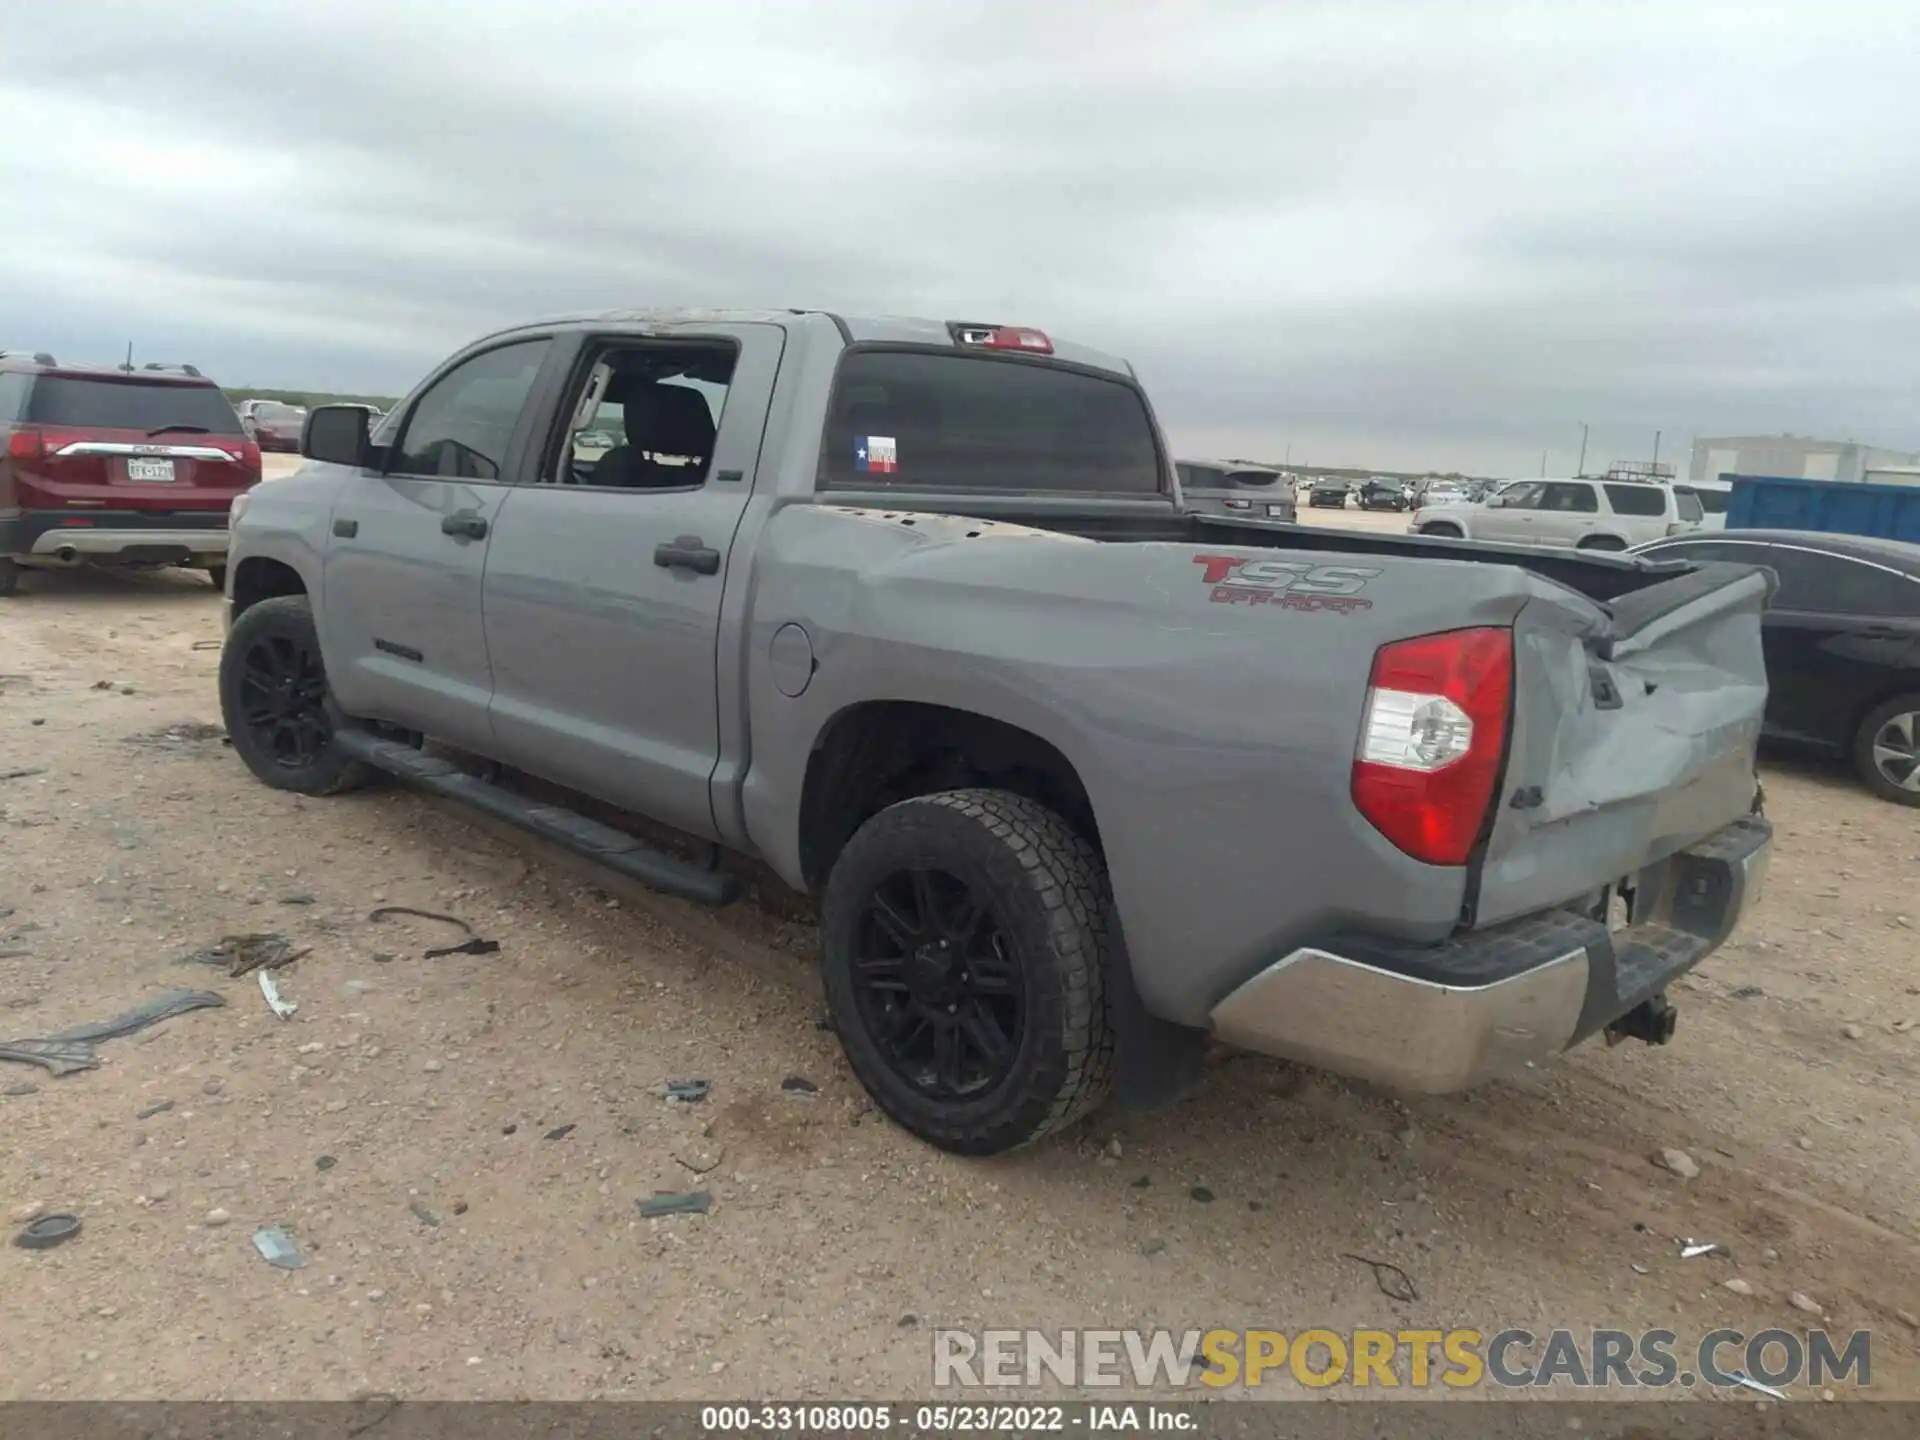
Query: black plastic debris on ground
{"type": "Point", "coordinates": [72, 1049]}
{"type": "Point", "coordinates": [559, 1132]}
{"type": "Point", "coordinates": [696, 1203]}
{"type": "Point", "coordinates": [47, 1232]}
{"type": "Point", "coordinates": [799, 1085]}
{"type": "Point", "coordinates": [472, 945]}
{"type": "Point", "coordinates": [23, 774]}
{"type": "Point", "coordinates": [689, 1092]}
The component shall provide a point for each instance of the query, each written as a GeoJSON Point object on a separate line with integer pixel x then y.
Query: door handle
{"type": "Point", "coordinates": [346, 529]}
{"type": "Point", "coordinates": [464, 527]}
{"type": "Point", "coordinates": [688, 552]}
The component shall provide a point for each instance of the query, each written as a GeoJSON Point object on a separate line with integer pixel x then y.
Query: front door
{"type": "Point", "coordinates": [407, 548]}
{"type": "Point", "coordinates": [605, 582]}
{"type": "Point", "coordinates": [1514, 517]}
{"type": "Point", "coordinates": [1839, 634]}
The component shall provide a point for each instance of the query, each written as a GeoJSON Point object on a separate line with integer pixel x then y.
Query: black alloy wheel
{"type": "Point", "coordinates": [935, 987]}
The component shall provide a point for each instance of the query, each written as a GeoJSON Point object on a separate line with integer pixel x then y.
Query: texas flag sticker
{"type": "Point", "coordinates": [875, 454]}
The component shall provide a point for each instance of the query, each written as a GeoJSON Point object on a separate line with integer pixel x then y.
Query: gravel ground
{"type": "Point", "coordinates": [457, 1144]}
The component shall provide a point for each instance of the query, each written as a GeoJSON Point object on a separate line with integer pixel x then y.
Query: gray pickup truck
{"type": "Point", "coordinates": [912, 614]}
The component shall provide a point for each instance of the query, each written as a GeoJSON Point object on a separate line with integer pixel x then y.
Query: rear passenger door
{"type": "Point", "coordinates": [606, 580]}
{"type": "Point", "coordinates": [1568, 510]}
{"type": "Point", "coordinates": [401, 623]}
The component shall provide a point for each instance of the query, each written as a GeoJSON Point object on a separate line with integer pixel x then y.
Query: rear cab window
{"type": "Point", "coordinates": [105, 403]}
{"type": "Point", "coordinates": [934, 420]}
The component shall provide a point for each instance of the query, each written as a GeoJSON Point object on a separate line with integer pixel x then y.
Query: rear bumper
{"type": "Point", "coordinates": [158, 536]}
{"type": "Point", "coordinates": [1444, 1018]}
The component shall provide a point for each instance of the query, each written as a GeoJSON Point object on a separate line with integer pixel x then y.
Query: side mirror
{"type": "Point", "coordinates": [336, 434]}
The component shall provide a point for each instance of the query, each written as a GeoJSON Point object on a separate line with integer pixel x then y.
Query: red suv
{"type": "Point", "coordinates": [102, 466]}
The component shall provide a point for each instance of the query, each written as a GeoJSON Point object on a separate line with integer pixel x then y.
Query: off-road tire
{"type": "Point", "coordinates": [1046, 891]}
{"type": "Point", "coordinates": [9, 577]}
{"type": "Point", "coordinates": [1862, 749]}
{"type": "Point", "coordinates": [289, 617]}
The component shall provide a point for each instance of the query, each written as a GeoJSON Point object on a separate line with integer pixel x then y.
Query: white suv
{"type": "Point", "coordinates": [1586, 514]}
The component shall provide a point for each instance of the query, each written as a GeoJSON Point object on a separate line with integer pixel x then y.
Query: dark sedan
{"type": "Point", "coordinates": [272, 425]}
{"type": "Point", "coordinates": [1842, 640]}
{"type": "Point", "coordinates": [1328, 493]}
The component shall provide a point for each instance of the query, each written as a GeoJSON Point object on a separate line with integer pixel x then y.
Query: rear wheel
{"type": "Point", "coordinates": [965, 943]}
{"type": "Point", "coordinates": [1445, 530]}
{"type": "Point", "coordinates": [273, 696]}
{"type": "Point", "coordinates": [1886, 750]}
{"type": "Point", "coordinates": [9, 577]}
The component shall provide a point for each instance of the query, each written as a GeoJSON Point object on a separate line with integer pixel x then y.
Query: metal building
{"type": "Point", "coordinates": [1794, 456]}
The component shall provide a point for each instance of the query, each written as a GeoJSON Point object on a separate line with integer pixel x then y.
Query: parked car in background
{"type": "Point", "coordinates": [1328, 492]}
{"type": "Point", "coordinates": [111, 466]}
{"type": "Point", "coordinates": [1842, 642]}
{"type": "Point", "coordinates": [1713, 496]}
{"type": "Point", "coordinates": [1223, 487]}
{"type": "Point", "coordinates": [1586, 514]}
{"type": "Point", "coordinates": [1445, 492]}
{"type": "Point", "coordinates": [272, 424]}
{"type": "Point", "coordinates": [1380, 493]}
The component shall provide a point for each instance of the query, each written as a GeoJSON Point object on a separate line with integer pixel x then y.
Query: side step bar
{"type": "Point", "coordinates": [602, 844]}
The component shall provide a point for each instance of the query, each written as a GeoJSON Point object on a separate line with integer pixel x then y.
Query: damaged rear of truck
{"type": "Point", "coordinates": [1083, 780]}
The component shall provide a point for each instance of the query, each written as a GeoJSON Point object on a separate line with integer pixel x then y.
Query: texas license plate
{"type": "Point", "coordinates": [158, 472]}
{"type": "Point", "coordinates": [1280, 510]}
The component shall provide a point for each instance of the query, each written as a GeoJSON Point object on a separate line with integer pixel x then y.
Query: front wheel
{"type": "Point", "coordinates": [1886, 750]}
{"type": "Point", "coordinates": [965, 943]}
{"type": "Point", "coordinates": [273, 696]}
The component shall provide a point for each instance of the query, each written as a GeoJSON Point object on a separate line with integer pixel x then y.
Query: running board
{"type": "Point", "coordinates": [568, 829]}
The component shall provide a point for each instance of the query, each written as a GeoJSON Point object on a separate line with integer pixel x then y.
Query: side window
{"type": "Point", "coordinates": [1637, 499]}
{"type": "Point", "coordinates": [13, 395]}
{"type": "Point", "coordinates": [1812, 581]}
{"type": "Point", "coordinates": [1702, 552]}
{"type": "Point", "coordinates": [1570, 499]}
{"type": "Point", "coordinates": [461, 425]}
{"type": "Point", "coordinates": [1521, 497]}
{"type": "Point", "coordinates": [1187, 474]}
{"type": "Point", "coordinates": [1686, 504]}
{"type": "Point", "coordinates": [645, 416]}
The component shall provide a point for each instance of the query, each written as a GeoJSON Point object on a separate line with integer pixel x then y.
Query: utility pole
{"type": "Point", "coordinates": [129, 364]}
{"type": "Point", "coordinates": [1656, 449]}
{"type": "Point", "coordinates": [1581, 469]}
{"type": "Point", "coordinates": [1543, 464]}
{"type": "Point", "coordinates": [1289, 459]}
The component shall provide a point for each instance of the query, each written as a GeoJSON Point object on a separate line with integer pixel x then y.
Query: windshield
{"type": "Point", "coordinates": [270, 410]}
{"type": "Point", "coordinates": [147, 406]}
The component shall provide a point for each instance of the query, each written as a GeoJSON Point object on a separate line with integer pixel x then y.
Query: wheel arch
{"type": "Point", "coordinates": [262, 577]}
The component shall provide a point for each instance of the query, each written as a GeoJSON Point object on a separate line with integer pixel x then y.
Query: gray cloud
{"type": "Point", "coordinates": [1387, 233]}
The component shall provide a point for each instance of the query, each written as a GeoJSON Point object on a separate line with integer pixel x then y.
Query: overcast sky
{"type": "Point", "coordinates": [1383, 234]}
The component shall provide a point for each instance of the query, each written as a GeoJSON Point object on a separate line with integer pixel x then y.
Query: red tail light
{"type": "Point", "coordinates": [1005, 337]}
{"type": "Point", "coordinates": [26, 444]}
{"type": "Point", "coordinates": [249, 454]}
{"type": "Point", "coordinates": [1431, 740]}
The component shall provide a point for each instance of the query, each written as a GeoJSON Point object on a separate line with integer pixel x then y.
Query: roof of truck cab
{"type": "Point", "coordinates": [880, 329]}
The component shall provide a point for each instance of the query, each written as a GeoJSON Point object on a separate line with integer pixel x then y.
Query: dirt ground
{"type": "Point", "coordinates": [457, 1144]}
